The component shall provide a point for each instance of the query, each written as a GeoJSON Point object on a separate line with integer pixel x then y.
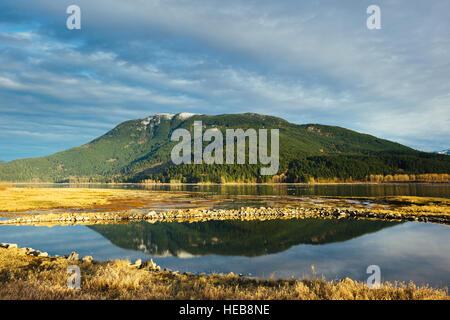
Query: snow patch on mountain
{"type": "Point", "coordinates": [167, 116]}
{"type": "Point", "coordinates": [156, 118]}
{"type": "Point", "coordinates": [447, 152]}
{"type": "Point", "coordinates": [185, 115]}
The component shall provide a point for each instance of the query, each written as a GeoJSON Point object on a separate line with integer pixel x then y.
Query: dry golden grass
{"type": "Point", "coordinates": [412, 206]}
{"type": "Point", "coordinates": [408, 200]}
{"type": "Point", "coordinates": [26, 199]}
{"type": "Point", "coordinates": [28, 277]}
{"type": "Point", "coordinates": [428, 177]}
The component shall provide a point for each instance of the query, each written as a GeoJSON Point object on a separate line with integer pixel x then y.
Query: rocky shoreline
{"type": "Point", "coordinates": [74, 257]}
{"type": "Point", "coordinates": [244, 213]}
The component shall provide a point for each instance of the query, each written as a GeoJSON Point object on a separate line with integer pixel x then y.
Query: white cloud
{"type": "Point", "coordinates": [307, 62]}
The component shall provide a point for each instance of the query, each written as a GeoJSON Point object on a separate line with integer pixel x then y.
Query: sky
{"type": "Point", "coordinates": [305, 61]}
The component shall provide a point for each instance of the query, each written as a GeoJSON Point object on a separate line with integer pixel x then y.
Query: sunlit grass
{"type": "Point", "coordinates": [27, 199]}
{"type": "Point", "coordinates": [28, 277]}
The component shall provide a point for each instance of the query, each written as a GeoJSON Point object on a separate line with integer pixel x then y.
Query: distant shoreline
{"type": "Point", "coordinates": [226, 184]}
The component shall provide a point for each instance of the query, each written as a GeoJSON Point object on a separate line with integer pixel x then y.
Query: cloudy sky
{"type": "Point", "coordinates": [306, 61]}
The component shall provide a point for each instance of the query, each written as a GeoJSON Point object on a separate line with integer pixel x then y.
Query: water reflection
{"type": "Point", "coordinates": [356, 190]}
{"type": "Point", "coordinates": [233, 238]}
{"type": "Point", "coordinates": [416, 252]}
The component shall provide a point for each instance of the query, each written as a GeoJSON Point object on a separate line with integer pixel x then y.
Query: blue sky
{"type": "Point", "coordinates": [305, 61]}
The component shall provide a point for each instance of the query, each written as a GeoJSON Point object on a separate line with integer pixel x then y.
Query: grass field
{"type": "Point", "coordinates": [28, 199]}
{"type": "Point", "coordinates": [28, 277]}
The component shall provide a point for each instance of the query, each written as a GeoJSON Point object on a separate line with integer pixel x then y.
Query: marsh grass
{"type": "Point", "coordinates": [28, 277]}
{"type": "Point", "coordinates": [27, 199]}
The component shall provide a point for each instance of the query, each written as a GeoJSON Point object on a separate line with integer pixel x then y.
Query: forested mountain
{"type": "Point", "coordinates": [140, 149]}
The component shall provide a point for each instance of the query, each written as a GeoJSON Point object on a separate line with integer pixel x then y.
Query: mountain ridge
{"type": "Point", "coordinates": [140, 149]}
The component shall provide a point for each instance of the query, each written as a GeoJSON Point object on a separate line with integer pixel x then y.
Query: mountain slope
{"type": "Point", "coordinates": [447, 152]}
{"type": "Point", "coordinates": [138, 149]}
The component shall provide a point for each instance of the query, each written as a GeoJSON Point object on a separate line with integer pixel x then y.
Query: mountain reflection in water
{"type": "Point", "coordinates": [233, 238]}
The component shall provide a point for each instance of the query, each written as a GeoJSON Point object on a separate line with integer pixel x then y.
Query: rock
{"type": "Point", "coordinates": [73, 256]}
{"type": "Point", "coordinates": [9, 245]}
{"type": "Point", "coordinates": [150, 265]}
{"type": "Point", "coordinates": [43, 254]}
{"type": "Point", "coordinates": [87, 259]}
{"type": "Point", "coordinates": [137, 263]}
{"type": "Point", "coordinates": [151, 214]}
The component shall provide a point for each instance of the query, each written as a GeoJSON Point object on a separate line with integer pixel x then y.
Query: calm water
{"type": "Point", "coordinates": [282, 248]}
{"type": "Point", "coordinates": [357, 190]}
